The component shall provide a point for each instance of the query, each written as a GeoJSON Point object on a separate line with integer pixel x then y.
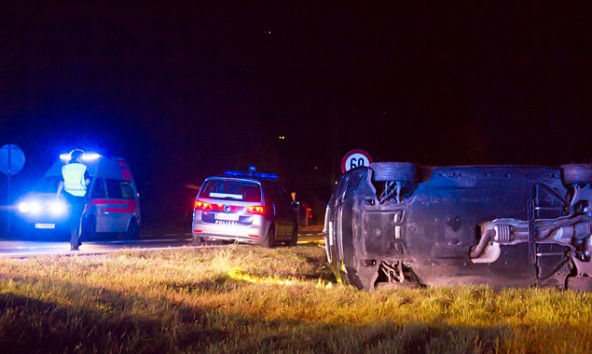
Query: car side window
{"type": "Point", "coordinates": [127, 189]}
{"type": "Point", "coordinates": [113, 188]}
{"type": "Point", "coordinates": [286, 197]}
{"type": "Point", "coordinates": [99, 190]}
{"type": "Point", "coordinates": [119, 189]}
{"type": "Point", "coordinates": [277, 193]}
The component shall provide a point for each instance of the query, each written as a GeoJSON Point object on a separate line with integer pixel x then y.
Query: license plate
{"type": "Point", "coordinates": [44, 226]}
{"type": "Point", "coordinates": [226, 222]}
{"type": "Point", "coordinates": [228, 217]}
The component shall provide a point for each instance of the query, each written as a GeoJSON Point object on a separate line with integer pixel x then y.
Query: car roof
{"type": "Point", "coordinates": [241, 179]}
{"type": "Point", "coordinates": [265, 177]}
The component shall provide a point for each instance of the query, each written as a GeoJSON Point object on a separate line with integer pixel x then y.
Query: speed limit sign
{"type": "Point", "coordinates": [354, 159]}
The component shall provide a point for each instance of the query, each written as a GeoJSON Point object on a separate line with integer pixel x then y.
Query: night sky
{"type": "Point", "coordinates": [184, 90]}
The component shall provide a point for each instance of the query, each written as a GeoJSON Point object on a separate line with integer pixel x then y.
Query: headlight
{"type": "Point", "coordinates": [24, 207]}
{"type": "Point", "coordinates": [33, 207]}
{"type": "Point", "coordinates": [57, 207]}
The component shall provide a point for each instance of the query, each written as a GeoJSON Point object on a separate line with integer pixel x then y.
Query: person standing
{"type": "Point", "coordinates": [75, 179]}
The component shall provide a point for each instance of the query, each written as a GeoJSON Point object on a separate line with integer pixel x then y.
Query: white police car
{"type": "Point", "coordinates": [247, 207]}
{"type": "Point", "coordinates": [113, 203]}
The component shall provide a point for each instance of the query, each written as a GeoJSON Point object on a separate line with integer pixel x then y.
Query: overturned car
{"type": "Point", "coordinates": [398, 224]}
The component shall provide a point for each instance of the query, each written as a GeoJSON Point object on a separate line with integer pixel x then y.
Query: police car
{"type": "Point", "coordinates": [113, 203]}
{"type": "Point", "coordinates": [247, 207]}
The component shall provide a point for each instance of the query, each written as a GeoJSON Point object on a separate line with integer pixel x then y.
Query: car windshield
{"type": "Point", "coordinates": [234, 190]}
{"type": "Point", "coordinates": [48, 184]}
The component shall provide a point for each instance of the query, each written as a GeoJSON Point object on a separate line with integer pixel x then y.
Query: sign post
{"type": "Point", "coordinates": [354, 159]}
{"type": "Point", "coordinates": [12, 161]}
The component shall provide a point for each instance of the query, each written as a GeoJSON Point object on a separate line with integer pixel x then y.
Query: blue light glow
{"type": "Point", "coordinates": [263, 175]}
{"type": "Point", "coordinates": [87, 156]}
{"type": "Point", "coordinates": [36, 207]}
{"type": "Point", "coordinates": [57, 207]}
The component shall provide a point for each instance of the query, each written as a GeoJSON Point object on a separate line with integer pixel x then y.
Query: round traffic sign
{"type": "Point", "coordinates": [12, 159]}
{"type": "Point", "coordinates": [354, 159]}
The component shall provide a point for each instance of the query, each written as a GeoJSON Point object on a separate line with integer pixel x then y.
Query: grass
{"type": "Point", "coordinates": [255, 300]}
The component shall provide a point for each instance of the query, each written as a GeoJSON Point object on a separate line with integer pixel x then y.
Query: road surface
{"type": "Point", "coordinates": [19, 248]}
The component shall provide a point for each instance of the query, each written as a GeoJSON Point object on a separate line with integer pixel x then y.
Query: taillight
{"type": "Point", "coordinates": [202, 205]}
{"type": "Point", "coordinates": [255, 209]}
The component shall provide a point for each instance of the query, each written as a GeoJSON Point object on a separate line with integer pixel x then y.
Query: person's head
{"type": "Point", "coordinates": [76, 155]}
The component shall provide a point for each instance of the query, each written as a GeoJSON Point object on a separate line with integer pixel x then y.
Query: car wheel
{"type": "Point", "coordinates": [89, 228]}
{"type": "Point", "coordinates": [269, 240]}
{"type": "Point", "coordinates": [197, 240]}
{"type": "Point", "coordinates": [393, 171]}
{"type": "Point", "coordinates": [294, 240]}
{"type": "Point", "coordinates": [579, 283]}
{"type": "Point", "coordinates": [577, 173]}
{"type": "Point", "coordinates": [133, 230]}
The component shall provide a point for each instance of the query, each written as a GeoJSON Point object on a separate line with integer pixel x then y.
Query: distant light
{"type": "Point", "coordinates": [316, 167]}
{"type": "Point", "coordinates": [282, 137]}
{"type": "Point", "coordinates": [268, 32]}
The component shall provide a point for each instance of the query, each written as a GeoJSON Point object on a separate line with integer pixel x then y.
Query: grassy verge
{"type": "Point", "coordinates": [249, 299]}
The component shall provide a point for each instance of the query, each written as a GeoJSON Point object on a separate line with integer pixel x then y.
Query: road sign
{"type": "Point", "coordinates": [12, 159]}
{"type": "Point", "coordinates": [354, 159]}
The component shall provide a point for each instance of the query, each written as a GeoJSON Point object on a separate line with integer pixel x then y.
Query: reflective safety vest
{"type": "Point", "coordinates": [74, 182]}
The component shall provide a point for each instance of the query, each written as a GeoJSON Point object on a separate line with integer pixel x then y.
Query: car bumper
{"type": "Point", "coordinates": [252, 234]}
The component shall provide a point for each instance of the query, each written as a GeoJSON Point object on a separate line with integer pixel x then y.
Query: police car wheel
{"type": "Point", "coordinates": [294, 240]}
{"type": "Point", "coordinates": [269, 240]}
{"type": "Point", "coordinates": [133, 230]}
{"type": "Point", "coordinates": [89, 227]}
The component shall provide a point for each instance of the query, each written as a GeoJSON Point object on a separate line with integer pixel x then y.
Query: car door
{"type": "Point", "coordinates": [120, 205]}
{"type": "Point", "coordinates": [98, 203]}
{"type": "Point", "coordinates": [282, 204]}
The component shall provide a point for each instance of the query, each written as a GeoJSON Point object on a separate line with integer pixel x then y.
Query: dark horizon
{"type": "Point", "coordinates": [187, 90]}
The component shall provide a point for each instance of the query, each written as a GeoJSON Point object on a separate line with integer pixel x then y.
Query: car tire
{"type": "Point", "coordinates": [577, 173]}
{"type": "Point", "coordinates": [133, 230]}
{"type": "Point", "coordinates": [89, 228]}
{"type": "Point", "coordinates": [197, 240]}
{"type": "Point", "coordinates": [393, 171]}
{"type": "Point", "coordinates": [269, 240]}
{"type": "Point", "coordinates": [294, 240]}
{"type": "Point", "coordinates": [579, 284]}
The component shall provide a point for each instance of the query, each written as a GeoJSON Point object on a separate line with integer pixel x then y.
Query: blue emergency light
{"type": "Point", "coordinates": [251, 173]}
{"type": "Point", "coordinates": [87, 156]}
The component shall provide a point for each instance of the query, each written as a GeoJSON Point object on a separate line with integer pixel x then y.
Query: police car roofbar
{"type": "Point", "coordinates": [262, 175]}
{"type": "Point", "coordinates": [87, 156]}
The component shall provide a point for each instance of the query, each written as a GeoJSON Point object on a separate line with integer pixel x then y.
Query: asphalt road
{"type": "Point", "coordinates": [26, 248]}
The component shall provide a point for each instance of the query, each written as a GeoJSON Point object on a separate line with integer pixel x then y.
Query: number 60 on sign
{"type": "Point", "coordinates": [354, 159]}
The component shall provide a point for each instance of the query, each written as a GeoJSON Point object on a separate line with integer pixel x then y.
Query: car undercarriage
{"type": "Point", "coordinates": [396, 224]}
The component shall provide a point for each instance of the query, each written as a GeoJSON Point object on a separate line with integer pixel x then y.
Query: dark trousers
{"type": "Point", "coordinates": [75, 209]}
